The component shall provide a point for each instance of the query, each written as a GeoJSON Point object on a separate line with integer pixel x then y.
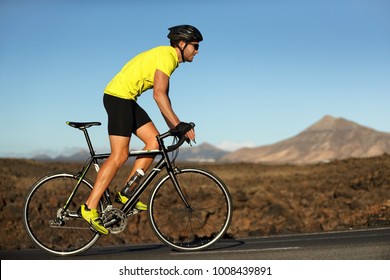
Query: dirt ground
{"type": "Point", "coordinates": [268, 199]}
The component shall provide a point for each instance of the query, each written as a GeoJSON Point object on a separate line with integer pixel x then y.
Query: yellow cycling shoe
{"type": "Point", "coordinates": [123, 199]}
{"type": "Point", "coordinates": [92, 217]}
{"type": "Point", "coordinates": [141, 206]}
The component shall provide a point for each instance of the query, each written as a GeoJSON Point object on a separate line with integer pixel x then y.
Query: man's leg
{"type": "Point", "coordinates": [147, 133]}
{"type": "Point", "coordinates": [119, 155]}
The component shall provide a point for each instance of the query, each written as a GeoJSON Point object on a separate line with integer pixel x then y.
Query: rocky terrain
{"type": "Point", "coordinates": [268, 199]}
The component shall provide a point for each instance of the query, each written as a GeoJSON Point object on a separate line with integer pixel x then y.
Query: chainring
{"type": "Point", "coordinates": [120, 217]}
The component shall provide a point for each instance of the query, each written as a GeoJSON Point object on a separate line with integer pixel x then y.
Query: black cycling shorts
{"type": "Point", "coordinates": [124, 116]}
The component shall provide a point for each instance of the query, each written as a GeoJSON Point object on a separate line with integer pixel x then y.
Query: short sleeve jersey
{"type": "Point", "coordinates": [137, 75]}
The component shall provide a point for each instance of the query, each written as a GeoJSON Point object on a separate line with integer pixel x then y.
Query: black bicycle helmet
{"type": "Point", "coordinates": [186, 33]}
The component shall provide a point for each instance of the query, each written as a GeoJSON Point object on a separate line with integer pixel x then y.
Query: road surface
{"type": "Point", "coordinates": [372, 244]}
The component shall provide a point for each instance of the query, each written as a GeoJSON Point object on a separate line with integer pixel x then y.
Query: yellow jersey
{"type": "Point", "coordinates": [137, 75]}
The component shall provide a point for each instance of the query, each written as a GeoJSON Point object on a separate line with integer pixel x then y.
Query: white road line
{"type": "Point", "coordinates": [237, 251]}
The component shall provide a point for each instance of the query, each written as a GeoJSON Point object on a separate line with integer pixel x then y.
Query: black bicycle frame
{"type": "Point", "coordinates": [163, 163]}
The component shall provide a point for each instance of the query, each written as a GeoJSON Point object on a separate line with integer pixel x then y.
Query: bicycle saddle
{"type": "Point", "coordinates": [82, 125]}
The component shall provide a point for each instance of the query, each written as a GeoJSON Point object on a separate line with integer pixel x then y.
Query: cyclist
{"type": "Point", "coordinates": [149, 69]}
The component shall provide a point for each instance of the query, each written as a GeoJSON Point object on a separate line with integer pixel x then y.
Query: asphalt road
{"type": "Point", "coordinates": [373, 244]}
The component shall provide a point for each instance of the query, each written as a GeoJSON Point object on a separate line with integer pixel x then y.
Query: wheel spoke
{"type": "Point", "coordinates": [198, 227]}
{"type": "Point", "coordinates": [45, 223]}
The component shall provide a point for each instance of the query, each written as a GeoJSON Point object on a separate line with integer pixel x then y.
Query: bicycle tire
{"type": "Point", "coordinates": [195, 229]}
{"type": "Point", "coordinates": [42, 205]}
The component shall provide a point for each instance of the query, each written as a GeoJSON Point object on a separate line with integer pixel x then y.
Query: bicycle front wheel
{"type": "Point", "coordinates": [51, 228]}
{"type": "Point", "coordinates": [197, 225]}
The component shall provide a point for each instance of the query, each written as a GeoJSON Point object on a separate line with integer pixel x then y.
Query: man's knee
{"type": "Point", "coordinates": [152, 144]}
{"type": "Point", "coordinates": [120, 157]}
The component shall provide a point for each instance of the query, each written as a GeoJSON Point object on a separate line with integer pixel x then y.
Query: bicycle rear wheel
{"type": "Point", "coordinates": [197, 227]}
{"type": "Point", "coordinates": [51, 228]}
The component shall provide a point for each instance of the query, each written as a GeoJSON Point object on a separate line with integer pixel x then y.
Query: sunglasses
{"type": "Point", "coordinates": [196, 46]}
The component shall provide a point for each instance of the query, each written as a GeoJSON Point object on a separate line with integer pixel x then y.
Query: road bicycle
{"type": "Point", "coordinates": [189, 208]}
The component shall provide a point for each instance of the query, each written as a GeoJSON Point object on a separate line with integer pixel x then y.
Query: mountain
{"type": "Point", "coordinates": [79, 156]}
{"type": "Point", "coordinates": [200, 153]}
{"type": "Point", "coordinates": [328, 139]}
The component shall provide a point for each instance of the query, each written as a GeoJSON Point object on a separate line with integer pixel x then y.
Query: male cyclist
{"type": "Point", "coordinates": [150, 69]}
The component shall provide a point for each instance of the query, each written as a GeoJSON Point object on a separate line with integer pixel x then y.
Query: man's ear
{"type": "Point", "coordinates": [181, 44]}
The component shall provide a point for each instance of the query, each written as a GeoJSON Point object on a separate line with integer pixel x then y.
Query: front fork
{"type": "Point", "coordinates": [172, 174]}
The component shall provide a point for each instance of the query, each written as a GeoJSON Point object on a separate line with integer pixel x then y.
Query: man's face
{"type": "Point", "coordinates": [190, 51]}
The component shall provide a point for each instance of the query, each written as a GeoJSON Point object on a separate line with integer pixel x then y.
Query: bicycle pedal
{"type": "Point", "coordinates": [133, 212]}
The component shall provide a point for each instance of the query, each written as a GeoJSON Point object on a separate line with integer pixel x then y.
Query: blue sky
{"type": "Point", "coordinates": [266, 70]}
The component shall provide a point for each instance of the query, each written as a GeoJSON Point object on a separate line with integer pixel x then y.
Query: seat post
{"type": "Point", "coordinates": [92, 152]}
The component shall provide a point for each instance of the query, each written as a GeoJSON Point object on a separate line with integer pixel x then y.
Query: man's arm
{"type": "Point", "coordinates": [161, 96]}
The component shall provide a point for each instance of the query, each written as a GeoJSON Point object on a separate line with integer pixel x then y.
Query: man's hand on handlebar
{"type": "Point", "coordinates": [186, 129]}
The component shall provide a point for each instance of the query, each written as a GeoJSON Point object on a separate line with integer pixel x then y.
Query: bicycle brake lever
{"type": "Point", "coordinates": [190, 143]}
